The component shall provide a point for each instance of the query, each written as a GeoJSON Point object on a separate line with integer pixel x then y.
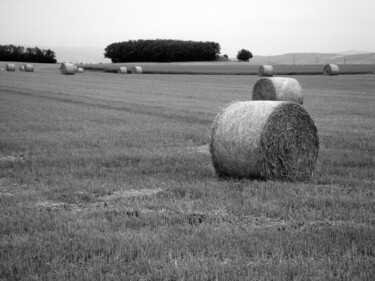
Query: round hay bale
{"type": "Point", "coordinates": [22, 68]}
{"type": "Point", "coordinates": [331, 69]}
{"type": "Point", "coordinates": [80, 70]}
{"type": "Point", "coordinates": [137, 70]}
{"type": "Point", "coordinates": [10, 67]}
{"type": "Point", "coordinates": [272, 140]}
{"type": "Point", "coordinates": [279, 89]}
{"type": "Point", "coordinates": [67, 68]}
{"type": "Point", "coordinates": [122, 70]}
{"type": "Point", "coordinates": [2, 69]}
{"type": "Point", "coordinates": [29, 68]}
{"type": "Point", "coordinates": [265, 70]}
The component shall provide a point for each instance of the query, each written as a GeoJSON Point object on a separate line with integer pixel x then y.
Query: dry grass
{"type": "Point", "coordinates": [264, 139]}
{"type": "Point", "coordinates": [265, 71]}
{"type": "Point", "coordinates": [279, 89]}
{"type": "Point", "coordinates": [68, 68]}
{"type": "Point", "coordinates": [331, 69]}
{"type": "Point", "coordinates": [122, 70]}
{"type": "Point", "coordinates": [137, 70]}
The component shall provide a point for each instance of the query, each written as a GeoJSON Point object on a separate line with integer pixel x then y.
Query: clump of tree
{"type": "Point", "coordinates": [19, 53]}
{"type": "Point", "coordinates": [244, 55]}
{"type": "Point", "coordinates": [162, 50]}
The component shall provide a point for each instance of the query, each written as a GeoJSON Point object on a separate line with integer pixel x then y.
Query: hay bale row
{"type": "Point", "coordinates": [265, 71]}
{"type": "Point", "coordinates": [67, 68]}
{"type": "Point", "coordinates": [272, 140]}
{"type": "Point", "coordinates": [10, 67]}
{"type": "Point", "coordinates": [29, 67]}
{"type": "Point", "coordinates": [278, 89]}
{"type": "Point", "coordinates": [25, 67]}
{"type": "Point", "coordinates": [134, 70]}
{"type": "Point", "coordinates": [137, 70]}
{"type": "Point", "coordinates": [122, 70]}
{"type": "Point", "coordinates": [331, 69]}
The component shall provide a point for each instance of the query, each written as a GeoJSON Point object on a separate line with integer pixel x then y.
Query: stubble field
{"type": "Point", "coordinates": [107, 177]}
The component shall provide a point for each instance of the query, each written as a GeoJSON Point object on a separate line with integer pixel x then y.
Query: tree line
{"type": "Point", "coordinates": [162, 50]}
{"type": "Point", "coordinates": [19, 53]}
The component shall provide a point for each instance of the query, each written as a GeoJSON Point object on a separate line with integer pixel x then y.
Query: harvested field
{"type": "Point", "coordinates": [107, 178]}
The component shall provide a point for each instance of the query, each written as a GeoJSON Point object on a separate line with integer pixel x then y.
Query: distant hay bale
{"type": "Point", "coordinates": [80, 70]}
{"type": "Point", "coordinates": [137, 70]}
{"type": "Point", "coordinates": [265, 70]}
{"type": "Point", "coordinates": [331, 69]}
{"type": "Point", "coordinates": [279, 89]}
{"type": "Point", "coordinates": [122, 70]}
{"type": "Point", "coordinates": [22, 68]}
{"type": "Point", "coordinates": [10, 67]}
{"type": "Point", "coordinates": [29, 67]}
{"type": "Point", "coordinates": [67, 68]}
{"type": "Point", "coordinates": [2, 69]}
{"type": "Point", "coordinates": [272, 140]}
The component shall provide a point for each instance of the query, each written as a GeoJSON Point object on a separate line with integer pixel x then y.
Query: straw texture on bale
{"type": "Point", "coordinates": [29, 68]}
{"type": "Point", "coordinates": [265, 70]}
{"type": "Point", "coordinates": [22, 68]}
{"type": "Point", "coordinates": [80, 70]}
{"type": "Point", "coordinates": [331, 69]}
{"type": "Point", "coordinates": [122, 70]}
{"type": "Point", "coordinates": [278, 89]}
{"type": "Point", "coordinates": [137, 70]}
{"type": "Point", "coordinates": [10, 67]}
{"type": "Point", "coordinates": [272, 140]}
{"type": "Point", "coordinates": [67, 68]}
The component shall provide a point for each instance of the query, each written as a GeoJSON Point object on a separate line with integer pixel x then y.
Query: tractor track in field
{"type": "Point", "coordinates": [157, 111]}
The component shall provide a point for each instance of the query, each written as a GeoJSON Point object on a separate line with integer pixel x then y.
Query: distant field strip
{"type": "Point", "coordinates": [229, 68]}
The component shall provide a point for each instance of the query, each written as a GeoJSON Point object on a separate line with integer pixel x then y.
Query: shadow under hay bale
{"type": "Point", "coordinates": [67, 68]}
{"type": "Point", "coordinates": [137, 70]}
{"type": "Point", "coordinates": [269, 140]}
{"type": "Point", "coordinates": [278, 89]}
{"type": "Point", "coordinates": [10, 67]}
{"type": "Point", "coordinates": [265, 71]}
{"type": "Point", "coordinates": [331, 69]}
{"type": "Point", "coordinates": [122, 70]}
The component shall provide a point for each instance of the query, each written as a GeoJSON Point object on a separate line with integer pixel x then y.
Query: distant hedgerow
{"type": "Point", "coordinates": [162, 50]}
{"type": "Point", "coordinates": [19, 53]}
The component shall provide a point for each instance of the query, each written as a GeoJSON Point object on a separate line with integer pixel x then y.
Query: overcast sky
{"type": "Point", "coordinates": [265, 27]}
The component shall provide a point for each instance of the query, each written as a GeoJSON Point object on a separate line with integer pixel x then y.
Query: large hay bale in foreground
{"type": "Point", "coordinates": [67, 68]}
{"type": "Point", "coordinates": [265, 70]}
{"type": "Point", "coordinates": [122, 70]}
{"type": "Point", "coordinates": [331, 69]}
{"type": "Point", "coordinates": [137, 70]}
{"type": "Point", "coordinates": [10, 67]}
{"type": "Point", "coordinates": [273, 140]}
{"type": "Point", "coordinates": [279, 89]}
{"type": "Point", "coordinates": [28, 67]}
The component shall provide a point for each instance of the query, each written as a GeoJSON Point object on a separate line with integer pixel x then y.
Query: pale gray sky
{"type": "Point", "coordinates": [265, 27]}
